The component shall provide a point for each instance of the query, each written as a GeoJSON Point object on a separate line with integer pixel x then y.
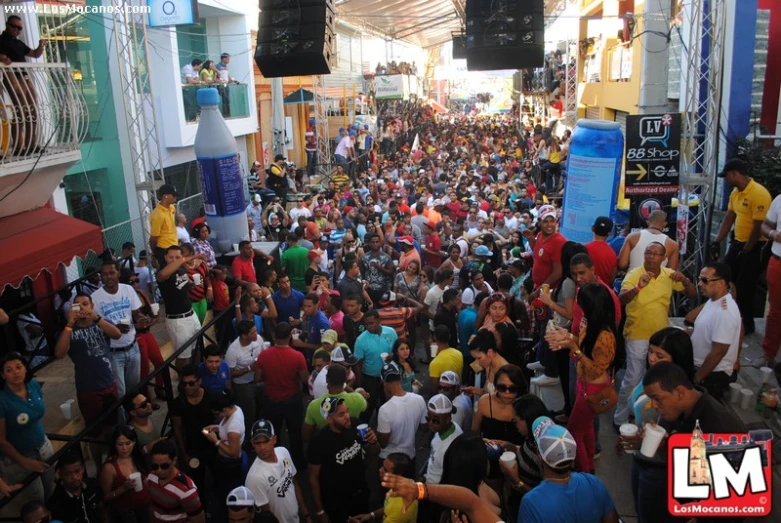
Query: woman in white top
{"type": "Point", "coordinates": [228, 436]}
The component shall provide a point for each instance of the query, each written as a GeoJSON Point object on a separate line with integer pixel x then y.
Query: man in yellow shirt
{"type": "Point", "coordinates": [646, 292]}
{"type": "Point", "coordinates": [162, 223]}
{"type": "Point", "coordinates": [749, 202]}
{"type": "Point", "coordinates": [447, 357]}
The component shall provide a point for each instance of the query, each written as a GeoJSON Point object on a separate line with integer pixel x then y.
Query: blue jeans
{"type": "Point", "coordinates": [126, 366]}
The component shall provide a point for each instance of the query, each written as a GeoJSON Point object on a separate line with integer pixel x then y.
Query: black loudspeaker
{"type": "Point", "coordinates": [295, 37]}
{"type": "Point", "coordinates": [505, 34]}
{"type": "Point", "coordinates": [459, 47]}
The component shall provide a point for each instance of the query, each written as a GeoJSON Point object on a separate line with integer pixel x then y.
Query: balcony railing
{"type": "Point", "coordinates": [234, 101]}
{"type": "Point", "coordinates": [620, 63]}
{"type": "Point", "coordinates": [42, 113]}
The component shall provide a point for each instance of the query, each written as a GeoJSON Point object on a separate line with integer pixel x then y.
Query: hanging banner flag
{"type": "Point", "coordinates": [416, 143]}
{"type": "Point", "coordinates": [390, 87]}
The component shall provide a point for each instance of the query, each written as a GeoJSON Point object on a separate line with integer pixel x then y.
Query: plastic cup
{"type": "Point", "coordinates": [652, 440]}
{"type": "Point", "coordinates": [266, 345]}
{"type": "Point", "coordinates": [415, 389]}
{"type": "Point", "coordinates": [66, 409]}
{"type": "Point", "coordinates": [628, 430]}
{"type": "Point", "coordinates": [138, 484]}
{"type": "Point", "coordinates": [395, 263]}
{"type": "Point", "coordinates": [767, 375]}
{"type": "Point", "coordinates": [125, 321]}
{"type": "Point", "coordinates": [194, 463]}
{"type": "Point", "coordinates": [746, 398]}
{"type": "Point", "coordinates": [363, 430]}
{"type": "Point", "coordinates": [197, 280]}
{"type": "Point", "coordinates": [384, 357]}
{"type": "Point", "coordinates": [434, 350]}
{"type": "Point", "coordinates": [734, 393]}
{"type": "Point", "coordinates": [508, 459]}
{"type": "Point", "coordinates": [155, 308]}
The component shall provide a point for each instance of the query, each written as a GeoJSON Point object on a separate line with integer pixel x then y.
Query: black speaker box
{"type": "Point", "coordinates": [505, 34]}
{"type": "Point", "coordinates": [459, 47]}
{"type": "Point", "coordinates": [295, 37]}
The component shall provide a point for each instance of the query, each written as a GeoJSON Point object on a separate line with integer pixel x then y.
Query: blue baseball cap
{"type": "Point", "coordinates": [556, 445]}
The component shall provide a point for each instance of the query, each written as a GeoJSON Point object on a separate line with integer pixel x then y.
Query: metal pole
{"type": "Point", "coordinates": [278, 116]}
{"type": "Point", "coordinates": [653, 76]}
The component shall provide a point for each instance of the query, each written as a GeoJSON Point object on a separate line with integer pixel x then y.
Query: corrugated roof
{"type": "Point", "coordinates": [426, 23]}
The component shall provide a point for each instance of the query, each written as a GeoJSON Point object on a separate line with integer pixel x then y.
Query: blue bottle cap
{"type": "Point", "coordinates": [208, 96]}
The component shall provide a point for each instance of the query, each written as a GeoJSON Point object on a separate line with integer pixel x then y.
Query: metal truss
{"type": "Point", "coordinates": [704, 24]}
{"type": "Point", "coordinates": [323, 158]}
{"type": "Point", "coordinates": [571, 87]}
{"type": "Point", "coordinates": [130, 38]}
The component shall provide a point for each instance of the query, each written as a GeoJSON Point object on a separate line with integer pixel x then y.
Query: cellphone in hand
{"type": "Point", "coordinates": [76, 307]}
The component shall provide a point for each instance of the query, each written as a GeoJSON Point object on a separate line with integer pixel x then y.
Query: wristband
{"type": "Point", "coordinates": [421, 491]}
{"type": "Point", "coordinates": [68, 328]}
{"type": "Point", "coordinates": [217, 444]}
{"type": "Point", "coordinates": [372, 514]}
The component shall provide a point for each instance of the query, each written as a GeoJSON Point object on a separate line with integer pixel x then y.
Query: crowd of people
{"type": "Point", "coordinates": [199, 72]}
{"type": "Point", "coordinates": [394, 68]}
{"type": "Point", "coordinates": [406, 325]}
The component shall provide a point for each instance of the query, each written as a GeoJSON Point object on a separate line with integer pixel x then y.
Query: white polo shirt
{"type": "Point", "coordinates": [718, 322]}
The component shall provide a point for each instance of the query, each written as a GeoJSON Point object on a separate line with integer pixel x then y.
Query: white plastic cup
{"type": "Point", "coordinates": [508, 459]}
{"type": "Point", "coordinates": [197, 280]}
{"type": "Point", "coordinates": [395, 263]}
{"type": "Point", "coordinates": [138, 484]}
{"type": "Point", "coordinates": [266, 345]}
{"type": "Point", "coordinates": [155, 308]}
{"type": "Point", "coordinates": [767, 375]}
{"type": "Point", "coordinates": [384, 357]}
{"type": "Point", "coordinates": [652, 440]}
{"type": "Point", "coordinates": [415, 389]}
{"type": "Point", "coordinates": [434, 350]}
{"type": "Point", "coordinates": [628, 430]}
{"type": "Point", "coordinates": [194, 463]}
{"type": "Point", "coordinates": [746, 398]}
{"type": "Point", "coordinates": [125, 321]}
{"type": "Point", "coordinates": [734, 393]}
{"type": "Point", "coordinates": [66, 409]}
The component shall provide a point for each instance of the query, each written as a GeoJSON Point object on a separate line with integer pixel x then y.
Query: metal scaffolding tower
{"type": "Point", "coordinates": [571, 87]}
{"type": "Point", "coordinates": [703, 32]}
{"type": "Point", "coordinates": [130, 38]}
{"type": "Point", "coordinates": [323, 157]}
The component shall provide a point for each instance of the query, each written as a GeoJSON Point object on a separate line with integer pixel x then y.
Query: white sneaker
{"type": "Point", "coordinates": [545, 381]}
{"type": "Point", "coordinates": [535, 366]}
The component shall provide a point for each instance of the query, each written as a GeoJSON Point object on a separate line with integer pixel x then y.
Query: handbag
{"type": "Point", "coordinates": [604, 400]}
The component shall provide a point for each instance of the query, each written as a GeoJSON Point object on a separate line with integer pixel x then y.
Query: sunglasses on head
{"type": "Point", "coordinates": [512, 389]}
{"type": "Point", "coordinates": [160, 466]}
{"type": "Point", "coordinates": [192, 383]}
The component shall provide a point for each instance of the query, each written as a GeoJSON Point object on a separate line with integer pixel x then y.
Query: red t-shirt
{"type": "Point", "coordinates": [546, 253]}
{"type": "Point", "coordinates": [222, 297]}
{"type": "Point", "coordinates": [604, 258]}
{"type": "Point", "coordinates": [577, 312]}
{"type": "Point", "coordinates": [433, 243]}
{"type": "Point", "coordinates": [281, 367]}
{"type": "Point", "coordinates": [244, 269]}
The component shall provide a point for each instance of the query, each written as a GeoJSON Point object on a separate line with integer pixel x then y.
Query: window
{"type": "Point", "coordinates": [192, 43]}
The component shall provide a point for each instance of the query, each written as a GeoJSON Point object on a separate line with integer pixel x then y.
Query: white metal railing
{"type": "Point", "coordinates": [42, 113]}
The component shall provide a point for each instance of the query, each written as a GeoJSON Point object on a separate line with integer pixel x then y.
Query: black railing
{"type": "Point", "coordinates": [72, 441]}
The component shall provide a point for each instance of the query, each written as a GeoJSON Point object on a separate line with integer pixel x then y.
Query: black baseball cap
{"type": "Point", "coordinates": [603, 226]}
{"type": "Point", "coordinates": [167, 189]}
{"type": "Point", "coordinates": [390, 372]}
{"type": "Point", "coordinates": [262, 428]}
{"type": "Point", "coordinates": [734, 164]}
{"type": "Point", "coordinates": [279, 157]}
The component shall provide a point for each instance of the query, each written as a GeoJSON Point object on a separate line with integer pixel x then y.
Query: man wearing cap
{"type": "Point", "coordinates": [563, 495]}
{"type": "Point", "coordinates": [162, 224]}
{"type": "Point", "coordinates": [408, 252]}
{"type": "Point", "coordinates": [450, 386]}
{"type": "Point", "coordinates": [749, 203]}
{"type": "Point", "coordinates": [336, 464]}
{"type": "Point", "coordinates": [276, 180]}
{"type": "Point", "coordinates": [335, 379]}
{"type": "Point", "coordinates": [374, 341]}
{"type": "Point", "coordinates": [255, 211]}
{"type": "Point", "coordinates": [547, 249]}
{"type": "Point", "coordinates": [601, 253]}
{"type": "Point", "coordinates": [400, 416]}
{"type": "Point", "coordinates": [271, 478]}
{"type": "Point", "coordinates": [440, 422]}
{"type": "Point", "coordinates": [397, 317]}
{"type": "Point", "coordinates": [433, 249]}
{"type": "Point", "coordinates": [241, 506]}
{"type": "Point", "coordinates": [344, 151]}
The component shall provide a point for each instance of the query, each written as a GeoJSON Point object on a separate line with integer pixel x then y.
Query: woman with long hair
{"type": "Point", "coordinates": [595, 352]}
{"type": "Point", "coordinates": [123, 503]}
{"type": "Point", "coordinates": [649, 478]}
{"type": "Point", "coordinates": [498, 323]}
{"type": "Point", "coordinates": [402, 356]}
{"type": "Point", "coordinates": [466, 465]}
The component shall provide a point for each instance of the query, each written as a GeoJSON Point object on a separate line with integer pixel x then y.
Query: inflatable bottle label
{"type": "Point", "coordinates": [223, 188]}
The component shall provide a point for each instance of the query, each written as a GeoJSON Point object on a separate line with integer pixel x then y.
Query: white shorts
{"type": "Point", "coordinates": [180, 330]}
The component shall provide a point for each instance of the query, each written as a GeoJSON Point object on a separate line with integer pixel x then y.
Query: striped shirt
{"type": "Point", "coordinates": [396, 318]}
{"type": "Point", "coordinates": [175, 501]}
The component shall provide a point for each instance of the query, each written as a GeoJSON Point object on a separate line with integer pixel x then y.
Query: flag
{"type": "Point", "coordinates": [416, 143]}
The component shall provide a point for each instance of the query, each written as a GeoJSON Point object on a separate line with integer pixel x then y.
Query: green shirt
{"type": "Point", "coordinates": [295, 262]}
{"type": "Point", "coordinates": [355, 405]}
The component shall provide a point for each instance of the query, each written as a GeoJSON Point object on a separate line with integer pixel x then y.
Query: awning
{"type": "Point", "coordinates": [34, 241]}
{"type": "Point", "coordinates": [299, 96]}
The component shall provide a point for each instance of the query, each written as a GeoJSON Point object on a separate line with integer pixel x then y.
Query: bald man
{"type": "Point", "coordinates": [632, 253]}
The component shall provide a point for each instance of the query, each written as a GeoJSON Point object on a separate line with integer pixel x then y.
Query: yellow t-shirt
{"type": "Point", "coordinates": [393, 511]}
{"type": "Point", "coordinates": [163, 226]}
{"type": "Point", "coordinates": [448, 359]}
{"type": "Point", "coordinates": [276, 170]}
{"type": "Point", "coordinates": [340, 180]}
{"type": "Point", "coordinates": [647, 312]}
{"type": "Point", "coordinates": [752, 203]}
{"type": "Point", "coordinates": [554, 157]}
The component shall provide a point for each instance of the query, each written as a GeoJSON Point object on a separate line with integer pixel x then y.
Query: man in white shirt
{"type": "Point", "coordinates": [271, 478]}
{"type": "Point", "coordinates": [440, 422]}
{"type": "Point", "coordinates": [450, 386]}
{"type": "Point", "coordinates": [716, 336]}
{"type": "Point", "coordinates": [300, 210]}
{"type": "Point", "coordinates": [119, 304]}
{"type": "Point", "coordinates": [255, 211]}
{"type": "Point", "coordinates": [345, 150]}
{"type": "Point", "coordinates": [182, 234]}
{"type": "Point", "coordinates": [190, 72]}
{"type": "Point", "coordinates": [241, 357]}
{"type": "Point", "coordinates": [399, 417]}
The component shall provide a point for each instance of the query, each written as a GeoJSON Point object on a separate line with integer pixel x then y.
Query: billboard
{"type": "Point", "coordinates": [392, 87]}
{"type": "Point", "coordinates": [163, 13]}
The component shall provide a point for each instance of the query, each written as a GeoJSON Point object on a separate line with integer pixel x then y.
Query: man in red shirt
{"type": "Point", "coordinates": [243, 266]}
{"type": "Point", "coordinates": [433, 247]}
{"type": "Point", "coordinates": [583, 271]}
{"type": "Point", "coordinates": [283, 369]}
{"type": "Point", "coordinates": [546, 248]}
{"type": "Point", "coordinates": [601, 253]}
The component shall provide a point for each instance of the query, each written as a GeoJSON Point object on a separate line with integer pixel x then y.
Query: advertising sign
{"type": "Point", "coordinates": [164, 13]}
{"type": "Point", "coordinates": [653, 154]}
{"type": "Point", "coordinates": [389, 87]}
{"type": "Point", "coordinates": [586, 195]}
